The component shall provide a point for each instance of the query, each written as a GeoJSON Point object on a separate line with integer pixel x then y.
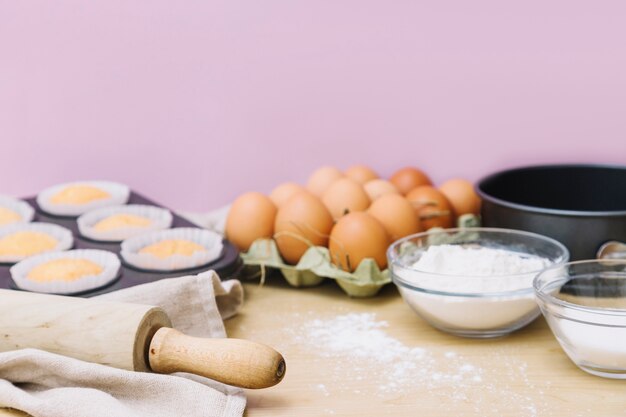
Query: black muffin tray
{"type": "Point", "coordinates": [227, 265]}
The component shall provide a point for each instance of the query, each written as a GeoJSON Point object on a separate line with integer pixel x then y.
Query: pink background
{"type": "Point", "coordinates": [193, 102]}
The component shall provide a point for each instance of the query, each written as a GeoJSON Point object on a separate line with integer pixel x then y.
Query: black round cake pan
{"type": "Point", "coordinates": [582, 206]}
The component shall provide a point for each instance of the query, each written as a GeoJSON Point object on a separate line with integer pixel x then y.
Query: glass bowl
{"type": "Point", "coordinates": [464, 303]}
{"type": "Point", "coordinates": [584, 304]}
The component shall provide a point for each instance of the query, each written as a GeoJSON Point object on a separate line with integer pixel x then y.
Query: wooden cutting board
{"type": "Point", "coordinates": [525, 374]}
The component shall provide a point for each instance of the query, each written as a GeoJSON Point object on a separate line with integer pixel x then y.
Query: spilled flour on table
{"type": "Point", "coordinates": [365, 351]}
{"type": "Point", "coordinates": [362, 341]}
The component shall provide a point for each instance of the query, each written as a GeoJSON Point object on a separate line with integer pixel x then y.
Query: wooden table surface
{"type": "Point", "coordinates": [525, 374]}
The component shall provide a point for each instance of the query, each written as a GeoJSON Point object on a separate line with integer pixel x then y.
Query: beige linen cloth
{"type": "Point", "coordinates": [214, 220]}
{"type": "Point", "coordinates": [48, 385]}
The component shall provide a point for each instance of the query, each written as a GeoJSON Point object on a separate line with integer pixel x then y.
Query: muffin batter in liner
{"type": "Point", "coordinates": [160, 219]}
{"type": "Point", "coordinates": [118, 194]}
{"type": "Point", "coordinates": [63, 236]}
{"type": "Point", "coordinates": [22, 208]}
{"type": "Point", "coordinates": [211, 241]}
{"type": "Point", "coordinates": [109, 262]}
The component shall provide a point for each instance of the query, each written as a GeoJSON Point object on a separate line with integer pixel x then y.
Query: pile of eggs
{"type": "Point", "coordinates": [355, 213]}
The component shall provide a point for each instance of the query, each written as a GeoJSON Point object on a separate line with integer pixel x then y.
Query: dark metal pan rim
{"type": "Point", "coordinates": [542, 210]}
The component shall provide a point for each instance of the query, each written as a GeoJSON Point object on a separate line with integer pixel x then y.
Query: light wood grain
{"type": "Point", "coordinates": [114, 334]}
{"type": "Point", "coordinates": [232, 361]}
{"type": "Point", "coordinates": [525, 374]}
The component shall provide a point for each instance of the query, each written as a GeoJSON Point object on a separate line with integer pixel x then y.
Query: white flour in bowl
{"type": "Point", "coordinates": [472, 271]}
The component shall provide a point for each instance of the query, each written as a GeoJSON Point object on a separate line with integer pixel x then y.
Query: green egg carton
{"type": "Point", "coordinates": [315, 266]}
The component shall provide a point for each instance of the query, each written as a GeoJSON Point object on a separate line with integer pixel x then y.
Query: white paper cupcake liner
{"type": "Point", "coordinates": [109, 262]}
{"type": "Point", "coordinates": [160, 217]}
{"type": "Point", "coordinates": [61, 234]}
{"type": "Point", "coordinates": [22, 208]}
{"type": "Point", "coordinates": [211, 241]}
{"type": "Point", "coordinates": [119, 194]}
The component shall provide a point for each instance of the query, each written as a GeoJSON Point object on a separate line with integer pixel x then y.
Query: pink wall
{"type": "Point", "coordinates": [194, 102]}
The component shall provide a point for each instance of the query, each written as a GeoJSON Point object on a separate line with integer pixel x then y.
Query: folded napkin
{"type": "Point", "coordinates": [214, 220]}
{"type": "Point", "coordinates": [49, 385]}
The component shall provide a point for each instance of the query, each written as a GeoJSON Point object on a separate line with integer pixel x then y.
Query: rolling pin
{"type": "Point", "coordinates": [130, 336]}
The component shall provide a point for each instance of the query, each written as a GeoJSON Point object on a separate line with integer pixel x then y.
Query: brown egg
{"type": "Point", "coordinates": [462, 196]}
{"type": "Point", "coordinates": [301, 222]}
{"type": "Point", "coordinates": [357, 236]}
{"type": "Point", "coordinates": [397, 216]}
{"type": "Point", "coordinates": [321, 179]}
{"type": "Point", "coordinates": [432, 206]}
{"type": "Point", "coordinates": [409, 178]}
{"type": "Point", "coordinates": [251, 217]}
{"type": "Point", "coordinates": [377, 188]}
{"type": "Point", "coordinates": [361, 173]}
{"type": "Point", "coordinates": [281, 194]}
{"type": "Point", "coordinates": [345, 196]}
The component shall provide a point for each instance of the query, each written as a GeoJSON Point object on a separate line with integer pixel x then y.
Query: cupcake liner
{"type": "Point", "coordinates": [61, 234]}
{"type": "Point", "coordinates": [22, 208]}
{"type": "Point", "coordinates": [211, 241]}
{"type": "Point", "coordinates": [119, 194]}
{"type": "Point", "coordinates": [161, 219]}
{"type": "Point", "coordinates": [109, 262]}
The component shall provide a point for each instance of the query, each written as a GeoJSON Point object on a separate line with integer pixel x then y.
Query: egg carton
{"type": "Point", "coordinates": [315, 266]}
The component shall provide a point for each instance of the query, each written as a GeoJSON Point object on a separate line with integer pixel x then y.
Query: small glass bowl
{"type": "Point", "coordinates": [584, 304]}
{"type": "Point", "coordinates": [485, 314]}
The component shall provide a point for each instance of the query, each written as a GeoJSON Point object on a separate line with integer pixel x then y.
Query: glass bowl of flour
{"type": "Point", "coordinates": [473, 282]}
{"type": "Point", "coordinates": [584, 304]}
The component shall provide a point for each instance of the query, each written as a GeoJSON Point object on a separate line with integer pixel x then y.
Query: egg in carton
{"type": "Point", "coordinates": [316, 265]}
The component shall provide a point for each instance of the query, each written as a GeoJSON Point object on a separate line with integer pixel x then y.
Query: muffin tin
{"type": "Point", "coordinates": [227, 266]}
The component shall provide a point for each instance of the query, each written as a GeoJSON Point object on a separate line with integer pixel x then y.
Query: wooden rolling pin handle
{"type": "Point", "coordinates": [236, 362]}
